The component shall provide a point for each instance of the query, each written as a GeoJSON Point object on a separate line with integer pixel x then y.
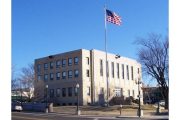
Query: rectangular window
{"type": "Point", "coordinates": [51, 65]}
{"type": "Point", "coordinates": [127, 68]}
{"type": "Point", "coordinates": [76, 60]}
{"type": "Point", "coordinates": [107, 72]}
{"type": "Point", "coordinates": [51, 93]}
{"type": "Point", "coordinates": [89, 91]}
{"type": "Point", "coordinates": [45, 66]}
{"type": "Point", "coordinates": [58, 76]}
{"type": "Point", "coordinates": [133, 93]}
{"type": "Point", "coordinates": [121, 91]}
{"type": "Point", "coordinates": [138, 70]}
{"type": "Point", "coordinates": [101, 90]}
{"type": "Point", "coordinates": [117, 70]}
{"type": "Point", "coordinates": [129, 93]}
{"type": "Point", "coordinates": [75, 91]}
{"type": "Point", "coordinates": [45, 77]}
{"type": "Point", "coordinates": [38, 68]}
{"type": "Point", "coordinates": [101, 67]}
{"type": "Point", "coordinates": [58, 63]}
{"type": "Point", "coordinates": [132, 73]}
{"type": "Point", "coordinates": [112, 67]}
{"type": "Point", "coordinates": [122, 71]}
{"type": "Point", "coordinates": [87, 73]}
{"type": "Point", "coordinates": [70, 61]}
{"type": "Point", "coordinates": [70, 74]}
{"type": "Point", "coordinates": [63, 62]}
{"type": "Point", "coordinates": [51, 76]}
{"type": "Point", "coordinates": [39, 77]}
{"type": "Point", "coordinates": [70, 91]}
{"type": "Point", "coordinates": [64, 75]}
{"type": "Point", "coordinates": [58, 92]}
{"type": "Point", "coordinates": [64, 92]}
{"type": "Point", "coordinates": [76, 73]}
{"type": "Point", "coordinates": [87, 60]}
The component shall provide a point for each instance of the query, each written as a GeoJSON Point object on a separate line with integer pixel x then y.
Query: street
{"type": "Point", "coordinates": [58, 116]}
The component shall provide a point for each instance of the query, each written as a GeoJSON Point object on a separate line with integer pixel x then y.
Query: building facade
{"type": "Point", "coordinates": [62, 72]}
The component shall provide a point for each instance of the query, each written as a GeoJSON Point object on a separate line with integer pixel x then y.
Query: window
{"type": "Point", "coordinates": [64, 75]}
{"type": "Point", "coordinates": [76, 60]}
{"type": "Point", "coordinates": [38, 68]}
{"type": "Point", "coordinates": [64, 92]}
{"type": "Point", "coordinates": [63, 62]}
{"type": "Point", "coordinates": [129, 93]}
{"type": "Point", "coordinates": [87, 73]}
{"type": "Point", "coordinates": [51, 76]}
{"type": "Point", "coordinates": [133, 93]}
{"type": "Point", "coordinates": [138, 70]}
{"type": "Point", "coordinates": [132, 75]}
{"type": "Point", "coordinates": [45, 77]}
{"type": "Point", "coordinates": [39, 77]}
{"type": "Point", "coordinates": [58, 76]}
{"type": "Point", "coordinates": [87, 60]}
{"type": "Point", "coordinates": [70, 74]}
{"type": "Point", "coordinates": [45, 66]}
{"type": "Point", "coordinates": [76, 73]}
{"type": "Point", "coordinates": [70, 61]}
{"type": "Point", "coordinates": [101, 67]}
{"type": "Point", "coordinates": [89, 91]}
{"type": "Point", "coordinates": [70, 91]}
{"type": "Point", "coordinates": [51, 93]}
{"type": "Point", "coordinates": [51, 65]}
{"type": "Point", "coordinates": [102, 90]}
{"type": "Point", "coordinates": [127, 68]}
{"type": "Point", "coordinates": [117, 70]}
{"type": "Point", "coordinates": [75, 91]}
{"type": "Point", "coordinates": [58, 91]}
{"type": "Point", "coordinates": [58, 63]}
{"type": "Point", "coordinates": [122, 71]}
{"type": "Point", "coordinates": [121, 91]}
{"type": "Point", "coordinates": [112, 71]}
{"type": "Point", "coordinates": [107, 72]}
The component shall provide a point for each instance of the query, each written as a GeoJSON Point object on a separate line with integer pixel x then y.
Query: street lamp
{"type": "Point", "coordinates": [46, 98]}
{"type": "Point", "coordinates": [139, 109]}
{"type": "Point", "coordinates": [77, 91]}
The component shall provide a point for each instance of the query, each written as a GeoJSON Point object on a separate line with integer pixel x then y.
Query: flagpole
{"type": "Point", "coordinates": [105, 30]}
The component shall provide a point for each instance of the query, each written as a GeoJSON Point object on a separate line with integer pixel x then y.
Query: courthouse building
{"type": "Point", "coordinates": [62, 72]}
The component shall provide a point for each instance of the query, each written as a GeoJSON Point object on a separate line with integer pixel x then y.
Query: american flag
{"type": "Point", "coordinates": [113, 17]}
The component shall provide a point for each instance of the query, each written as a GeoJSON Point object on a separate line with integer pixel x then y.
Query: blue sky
{"type": "Point", "coordinates": [45, 27]}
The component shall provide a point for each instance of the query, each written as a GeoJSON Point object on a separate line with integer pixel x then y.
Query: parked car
{"type": "Point", "coordinates": [16, 106]}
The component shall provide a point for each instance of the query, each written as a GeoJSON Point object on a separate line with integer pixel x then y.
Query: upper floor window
{"type": "Point", "coordinates": [76, 60]}
{"type": "Point", "coordinates": [45, 66]}
{"type": "Point", "coordinates": [70, 91]}
{"type": "Point", "coordinates": [88, 91]}
{"type": "Point", "coordinates": [87, 60]}
{"type": "Point", "coordinates": [58, 92]}
{"type": "Point", "coordinates": [87, 73]}
{"type": "Point", "coordinates": [51, 76]}
{"type": "Point", "coordinates": [51, 65]}
{"type": "Point", "coordinates": [107, 66]}
{"type": "Point", "coordinates": [70, 61]}
{"type": "Point", "coordinates": [122, 71]}
{"type": "Point", "coordinates": [45, 77]}
{"type": "Point", "coordinates": [138, 70]}
{"type": "Point", "coordinates": [101, 67]}
{"type": "Point", "coordinates": [39, 77]}
{"type": "Point", "coordinates": [117, 70]}
{"type": "Point", "coordinates": [127, 68]}
{"type": "Point", "coordinates": [63, 62]}
{"type": "Point", "coordinates": [112, 67]}
{"type": "Point", "coordinates": [64, 92]}
{"type": "Point", "coordinates": [76, 73]}
{"type": "Point", "coordinates": [64, 75]}
{"type": "Point", "coordinates": [58, 63]}
{"type": "Point", "coordinates": [38, 68]}
{"type": "Point", "coordinates": [51, 93]}
{"type": "Point", "coordinates": [58, 76]}
{"type": "Point", "coordinates": [70, 74]}
{"type": "Point", "coordinates": [132, 73]}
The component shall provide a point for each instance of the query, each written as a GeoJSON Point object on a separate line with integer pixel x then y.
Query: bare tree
{"type": "Point", "coordinates": [154, 57]}
{"type": "Point", "coordinates": [27, 80]}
